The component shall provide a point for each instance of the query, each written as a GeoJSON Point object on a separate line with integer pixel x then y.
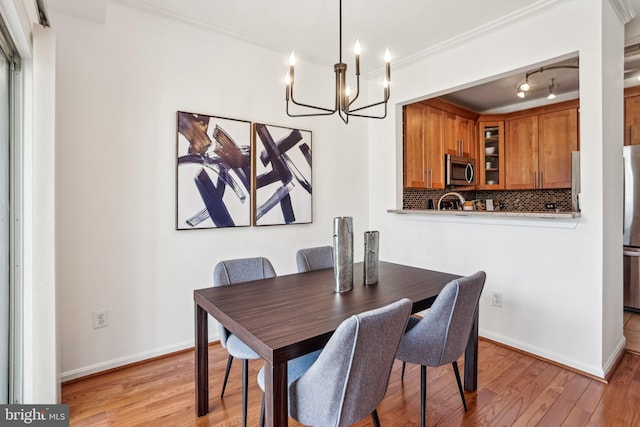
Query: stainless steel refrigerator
{"type": "Point", "coordinates": [631, 242]}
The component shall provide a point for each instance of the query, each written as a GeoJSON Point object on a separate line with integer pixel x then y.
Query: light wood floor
{"type": "Point", "coordinates": [514, 389]}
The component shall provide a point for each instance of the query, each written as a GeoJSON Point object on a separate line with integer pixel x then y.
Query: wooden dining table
{"type": "Point", "coordinates": [288, 316]}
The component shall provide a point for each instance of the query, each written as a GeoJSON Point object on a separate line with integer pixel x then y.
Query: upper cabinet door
{"type": "Point", "coordinates": [450, 134]}
{"type": "Point", "coordinates": [434, 147]}
{"type": "Point", "coordinates": [414, 155]}
{"type": "Point", "coordinates": [466, 137]}
{"type": "Point", "coordinates": [521, 153]}
{"type": "Point", "coordinates": [558, 137]}
{"type": "Point", "coordinates": [632, 120]}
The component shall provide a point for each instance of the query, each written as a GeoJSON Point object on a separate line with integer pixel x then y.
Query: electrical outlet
{"type": "Point", "coordinates": [550, 205]}
{"type": "Point", "coordinates": [496, 299]}
{"type": "Point", "coordinates": [100, 319]}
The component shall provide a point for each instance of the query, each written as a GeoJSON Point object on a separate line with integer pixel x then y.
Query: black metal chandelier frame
{"type": "Point", "coordinates": [343, 101]}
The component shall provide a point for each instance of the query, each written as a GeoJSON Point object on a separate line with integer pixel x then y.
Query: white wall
{"type": "Point", "coordinates": [562, 296]}
{"type": "Point", "coordinates": [119, 85]}
{"type": "Point", "coordinates": [36, 361]}
{"type": "Point", "coordinates": [42, 343]}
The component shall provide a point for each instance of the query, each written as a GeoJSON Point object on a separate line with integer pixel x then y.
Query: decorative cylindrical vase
{"type": "Point", "coordinates": [371, 243]}
{"type": "Point", "coordinates": [343, 254]}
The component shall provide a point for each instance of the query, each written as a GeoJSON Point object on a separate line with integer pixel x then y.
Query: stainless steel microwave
{"type": "Point", "coordinates": [459, 171]}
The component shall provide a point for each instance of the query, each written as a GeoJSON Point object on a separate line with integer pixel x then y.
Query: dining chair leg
{"type": "Point", "coordinates": [457, 372]}
{"type": "Point", "coordinates": [226, 375]}
{"type": "Point", "coordinates": [245, 390]}
{"type": "Point", "coordinates": [262, 412]}
{"type": "Point", "coordinates": [423, 395]}
{"type": "Point", "coordinates": [375, 419]}
{"type": "Point", "coordinates": [402, 376]}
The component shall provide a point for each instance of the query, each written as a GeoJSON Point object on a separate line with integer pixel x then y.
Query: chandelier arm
{"type": "Point", "coordinates": [328, 110]}
{"type": "Point", "coordinates": [345, 117]}
{"type": "Point", "coordinates": [357, 92]}
{"type": "Point", "coordinates": [371, 105]}
{"type": "Point", "coordinates": [371, 117]}
{"type": "Point", "coordinates": [326, 113]}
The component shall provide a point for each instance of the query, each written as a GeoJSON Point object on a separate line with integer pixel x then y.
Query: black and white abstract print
{"type": "Point", "coordinates": [214, 172]}
{"type": "Point", "coordinates": [283, 175]}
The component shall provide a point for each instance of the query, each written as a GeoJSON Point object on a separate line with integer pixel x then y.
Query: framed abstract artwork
{"type": "Point", "coordinates": [214, 174]}
{"type": "Point", "coordinates": [282, 175]}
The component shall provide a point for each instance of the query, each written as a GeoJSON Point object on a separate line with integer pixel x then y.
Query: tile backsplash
{"type": "Point", "coordinates": [513, 200]}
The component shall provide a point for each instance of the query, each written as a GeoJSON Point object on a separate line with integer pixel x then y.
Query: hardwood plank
{"type": "Point", "coordinates": [611, 402]}
{"type": "Point", "coordinates": [513, 389]}
{"type": "Point", "coordinates": [539, 407]}
{"type": "Point", "coordinates": [632, 323]}
{"type": "Point", "coordinates": [563, 405]}
{"type": "Point", "coordinates": [524, 392]}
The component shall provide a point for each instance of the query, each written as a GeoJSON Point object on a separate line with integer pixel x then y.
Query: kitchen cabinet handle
{"type": "Point", "coordinates": [629, 140]}
{"type": "Point", "coordinates": [468, 173]}
{"type": "Point", "coordinates": [541, 185]}
{"type": "Point", "coordinates": [535, 180]}
{"type": "Point", "coordinates": [631, 253]}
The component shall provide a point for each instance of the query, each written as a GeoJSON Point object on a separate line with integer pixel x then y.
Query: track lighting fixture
{"type": "Point", "coordinates": [552, 94]}
{"type": "Point", "coordinates": [525, 88]}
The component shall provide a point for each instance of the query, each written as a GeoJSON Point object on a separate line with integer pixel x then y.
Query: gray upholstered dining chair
{"type": "Point", "coordinates": [317, 258]}
{"type": "Point", "coordinates": [231, 272]}
{"type": "Point", "coordinates": [346, 380]}
{"type": "Point", "coordinates": [441, 336]}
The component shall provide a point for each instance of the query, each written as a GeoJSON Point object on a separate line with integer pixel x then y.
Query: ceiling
{"type": "Point", "coordinates": [310, 28]}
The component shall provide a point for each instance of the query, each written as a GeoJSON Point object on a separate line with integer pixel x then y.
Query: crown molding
{"type": "Point", "coordinates": [623, 9]}
{"type": "Point", "coordinates": [176, 15]}
{"type": "Point", "coordinates": [496, 24]}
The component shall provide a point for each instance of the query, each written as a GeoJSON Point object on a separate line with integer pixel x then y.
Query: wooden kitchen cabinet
{"type": "Point", "coordinates": [557, 138]}
{"type": "Point", "coordinates": [423, 154]}
{"type": "Point", "coordinates": [434, 148]}
{"type": "Point", "coordinates": [459, 135]}
{"type": "Point", "coordinates": [521, 150]}
{"type": "Point", "coordinates": [491, 155]}
{"type": "Point", "coordinates": [414, 156]}
{"type": "Point", "coordinates": [632, 120]}
{"type": "Point", "coordinates": [467, 137]}
{"type": "Point", "coordinates": [450, 134]}
{"type": "Point", "coordinates": [538, 150]}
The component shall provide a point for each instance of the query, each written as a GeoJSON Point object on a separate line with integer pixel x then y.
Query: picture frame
{"type": "Point", "coordinates": [283, 175]}
{"type": "Point", "coordinates": [214, 173]}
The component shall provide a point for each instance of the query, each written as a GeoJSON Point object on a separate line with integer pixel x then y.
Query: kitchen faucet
{"type": "Point", "coordinates": [453, 193]}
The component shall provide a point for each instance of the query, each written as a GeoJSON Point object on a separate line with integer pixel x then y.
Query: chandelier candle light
{"type": "Point", "coordinates": [343, 99]}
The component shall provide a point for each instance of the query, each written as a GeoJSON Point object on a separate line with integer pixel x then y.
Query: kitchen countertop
{"type": "Point", "coordinates": [495, 214]}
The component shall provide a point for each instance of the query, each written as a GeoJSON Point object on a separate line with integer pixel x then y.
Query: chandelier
{"type": "Point", "coordinates": [343, 100]}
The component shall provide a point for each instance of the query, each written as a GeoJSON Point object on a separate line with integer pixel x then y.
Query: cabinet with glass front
{"type": "Point", "coordinates": [491, 156]}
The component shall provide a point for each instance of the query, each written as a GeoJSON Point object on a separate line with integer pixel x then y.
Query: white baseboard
{"type": "Point", "coordinates": [122, 361]}
{"type": "Point", "coordinates": [611, 362]}
{"type": "Point", "coordinates": [596, 371]}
